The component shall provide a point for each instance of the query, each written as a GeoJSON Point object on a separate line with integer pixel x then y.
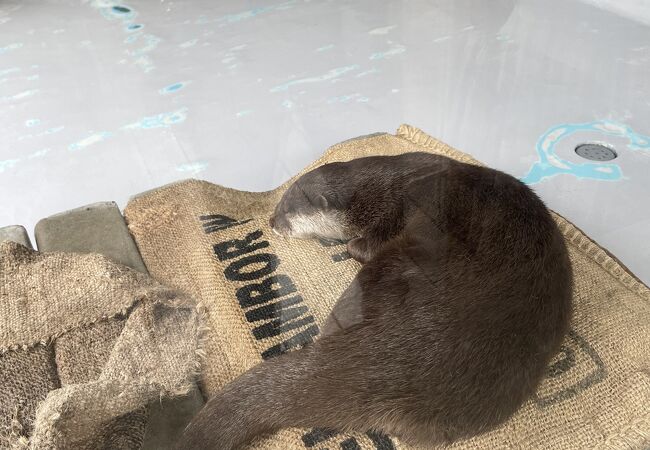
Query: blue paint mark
{"type": "Point", "coordinates": [193, 167]}
{"type": "Point", "coordinates": [382, 30]}
{"type": "Point", "coordinates": [550, 164]}
{"type": "Point", "coordinates": [54, 130]}
{"type": "Point", "coordinates": [173, 87]}
{"type": "Point", "coordinates": [163, 120]}
{"type": "Point", "coordinates": [39, 153]}
{"type": "Point", "coordinates": [8, 164]}
{"type": "Point", "coordinates": [346, 98]}
{"type": "Point", "coordinates": [188, 44]}
{"type": "Point", "coordinates": [368, 72]}
{"type": "Point", "coordinates": [134, 26]}
{"type": "Point", "coordinates": [121, 9]}
{"type": "Point", "coordinates": [245, 15]}
{"type": "Point", "coordinates": [21, 95]}
{"type": "Point", "coordinates": [288, 104]}
{"type": "Point", "coordinates": [325, 48]}
{"type": "Point", "coordinates": [8, 71]}
{"type": "Point", "coordinates": [388, 53]}
{"type": "Point", "coordinates": [33, 77]}
{"type": "Point", "coordinates": [331, 75]}
{"type": "Point", "coordinates": [32, 122]}
{"type": "Point", "coordinates": [244, 113]}
{"type": "Point", "coordinates": [10, 47]}
{"type": "Point", "coordinates": [90, 140]}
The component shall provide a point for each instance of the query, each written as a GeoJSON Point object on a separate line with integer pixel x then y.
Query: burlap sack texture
{"type": "Point", "coordinates": [85, 344]}
{"type": "Point", "coordinates": [215, 244]}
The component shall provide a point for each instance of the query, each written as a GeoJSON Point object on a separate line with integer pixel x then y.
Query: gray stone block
{"type": "Point", "coordinates": [96, 228]}
{"type": "Point", "coordinates": [100, 228]}
{"type": "Point", "coordinates": [15, 233]}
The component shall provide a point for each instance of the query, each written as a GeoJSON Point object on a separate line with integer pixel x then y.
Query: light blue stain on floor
{"type": "Point", "coordinates": [347, 98]}
{"type": "Point", "coordinates": [550, 164]}
{"type": "Point", "coordinates": [187, 44]}
{"type": "Point", "coordinates": [244, 113]}
{"type": "Point", "coordinates": [382, 30]}
{"type": "Point", "coordinates": [32, 122]}
{"type": "Point", "coordinates": [396, 50]}
{"type": "Point", "coordinates": [245, 15]}
{"type": "Point", "coordinates": [330, 75]}
{"type": "Point", "coordinates": [8, 164]}
{"type": "Point", "coordinates": [90, 140]}
{"type": "Point", "coordinates": [367, 72]}
{"type": "Point", "coordinates": [10, 47]}
{"type": "Point", "coordinates": [39, 153]}
{"type": "Point", "coordinates": [134, 26]}
{"type": "Point", "coordinates": [54, 130]}
{"type": "Point", "coordinates": [8, 71]}
{"type": "Point", "coordinates": [192, 167]}
{"type": "Point", "coordinates": [325, 48]}
{"type": "Point", "coordinates": [162, 120]}
{"type": "Point", "coordinates": [21, 95]}
{"type": "Point", "coordinates": [173, 87]}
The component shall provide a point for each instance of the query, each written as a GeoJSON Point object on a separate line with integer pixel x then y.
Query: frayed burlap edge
{"type": "Point", "coordinates": [60, 409]}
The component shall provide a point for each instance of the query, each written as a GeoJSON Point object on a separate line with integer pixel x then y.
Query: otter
{"type": "Point", "coordinates": [463, 297]}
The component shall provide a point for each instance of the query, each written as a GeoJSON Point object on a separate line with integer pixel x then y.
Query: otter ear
{"type": "Point", "coordinates": [321, 202]}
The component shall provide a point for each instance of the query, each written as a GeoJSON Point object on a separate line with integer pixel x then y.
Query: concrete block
{"type": "Point", "coordinates": [15, 233]}
{"type": "Point", "coordinates": [96, 228]}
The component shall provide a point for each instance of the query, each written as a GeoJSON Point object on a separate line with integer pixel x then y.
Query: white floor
{"type": "Point", "coordinates": [101, 100]}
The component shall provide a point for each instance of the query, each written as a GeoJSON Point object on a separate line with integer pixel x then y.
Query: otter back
{"type": "Point", "coordinates": [266, 296]}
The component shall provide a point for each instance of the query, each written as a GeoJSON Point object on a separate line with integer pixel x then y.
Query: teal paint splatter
{"type": "Point", "coordinates": [54, 130]}
{"type": "Point", "coordinates": [10, 47]}
{"type": "Point", "coordinates": [245, 15]}
{"type": "Point", "coordinates": [346, 98]}
{"type": "Point", "coordinates": [367, 72]}
{"type": "Point", "coordinates": [193, 167]}
{"type": "Point", "coordinates": [90, 140]}
{"type": "Point", "coordinates": [8, 71]}
{"type": "Point", "coordinates": [32, 122]}
{"type": "Point", "coordinates": [39, 153]}
{"type": "Point", "coordinates": [188, 44]}
{"type": "Point", "coordinates": [331, 75]}
{"type": "Point", "coordinates": [388, 53]}
{"type": "Point", "coordinates": [550, 164]}
{"type": "Point", "coordinates": [8, 164]}
{"type": "Point", "coordinates": [173, 87]}
{"type": "Point", "coordinates": [163, 120]}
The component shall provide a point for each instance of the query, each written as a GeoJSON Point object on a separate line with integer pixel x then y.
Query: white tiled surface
{"type": "Point", "coordinates": [258, 89]}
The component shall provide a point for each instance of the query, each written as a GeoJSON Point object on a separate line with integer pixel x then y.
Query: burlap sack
{"type": "Point", "coordinates": [85, 345]}
{"type": "Point", "coordinates": [265, 295]}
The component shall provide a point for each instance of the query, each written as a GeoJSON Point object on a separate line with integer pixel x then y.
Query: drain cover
{"type": "Point", "coordinates": [596, 152]}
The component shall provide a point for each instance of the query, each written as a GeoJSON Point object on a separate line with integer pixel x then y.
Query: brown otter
{"type": "Point", "coordinates": [464, 296]}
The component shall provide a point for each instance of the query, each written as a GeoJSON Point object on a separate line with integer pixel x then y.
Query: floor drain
{"type": "Point", "coordinates": [596, 152]}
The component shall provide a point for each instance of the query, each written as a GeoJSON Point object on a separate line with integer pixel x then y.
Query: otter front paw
{"type": "Point", "coordinates": [360, 249]}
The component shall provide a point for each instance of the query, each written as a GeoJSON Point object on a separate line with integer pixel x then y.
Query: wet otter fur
{"type": "Point", "coordinates": [463, 297]}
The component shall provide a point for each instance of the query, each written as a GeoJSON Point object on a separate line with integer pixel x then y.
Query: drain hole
{"type": "Point", "coordinates": [596, 152]}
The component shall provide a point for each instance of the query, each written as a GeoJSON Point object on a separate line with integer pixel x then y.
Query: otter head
{"type": "Point", "coordinates": [309, 209]}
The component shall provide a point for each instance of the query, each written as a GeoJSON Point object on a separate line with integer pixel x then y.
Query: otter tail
{"type": "Point", "coordinates": [322, 385]}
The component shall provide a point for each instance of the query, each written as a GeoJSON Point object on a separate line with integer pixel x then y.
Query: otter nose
{"type": "Point", "coordinates": [272, 222]}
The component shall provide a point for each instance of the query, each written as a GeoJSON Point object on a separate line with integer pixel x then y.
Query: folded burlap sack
{"type": "Point", "coordinates": [266, 295]}
{"type": "Point", "coordinates": [85, 345]}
